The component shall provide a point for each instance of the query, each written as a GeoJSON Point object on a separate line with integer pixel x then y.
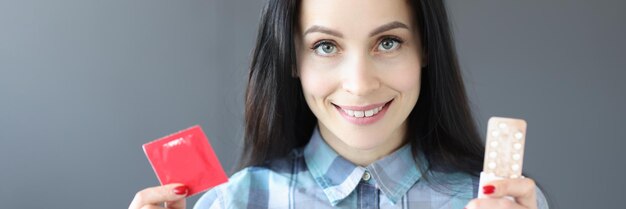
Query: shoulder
{"type": "Point", "coordinates": [239, 184]}
{"type": "Point", "coordinates": [457, 185]}
{"type": "Point", "coordinates": [459, 188]}
{"type": "Point", "coordinates": [542, 201]}
{"type": "Point", "coordinates": [463, 187]}
{"type": "Point", "coordinates": [237, 192]}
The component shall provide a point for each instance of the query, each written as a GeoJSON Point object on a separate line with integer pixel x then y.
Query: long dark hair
{"type": "Point", "coordinates": [277, 119]}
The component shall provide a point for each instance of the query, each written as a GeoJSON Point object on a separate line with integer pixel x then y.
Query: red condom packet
{"type": "Point", "coordinates": [186, 157]}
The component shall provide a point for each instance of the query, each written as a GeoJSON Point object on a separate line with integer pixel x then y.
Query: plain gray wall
{"type": "Point", "coordinates": [84, 83]}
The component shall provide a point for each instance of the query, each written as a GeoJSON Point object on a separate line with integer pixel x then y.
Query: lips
{"type": "Point", "coordinates": [363, 115]}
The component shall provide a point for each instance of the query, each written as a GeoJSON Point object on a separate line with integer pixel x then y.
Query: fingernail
{"type": "Point", "coordinates": [180, 190]}
{"type": "Point", "coordinates": [489, 189]}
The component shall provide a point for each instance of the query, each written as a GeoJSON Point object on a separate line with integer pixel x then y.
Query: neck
{"type": "Point", "coordinates": [364, 156]}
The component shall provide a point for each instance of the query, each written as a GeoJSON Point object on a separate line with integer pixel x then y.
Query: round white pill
{"type": "Point", "coordinates": [515, 167]}
{"type": "Point", "coordinates": [519, 135]}
{"type": "Point", "coordinates": [494, 143]}
{"type": "Point", "coordinates": [493, 154]}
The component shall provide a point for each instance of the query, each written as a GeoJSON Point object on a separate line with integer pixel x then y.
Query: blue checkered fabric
{"type": "Point", "coordinates": [317, 177]}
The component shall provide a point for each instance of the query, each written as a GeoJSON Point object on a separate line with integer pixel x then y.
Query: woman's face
{"type": "Point", "coordinates": [359, 64]}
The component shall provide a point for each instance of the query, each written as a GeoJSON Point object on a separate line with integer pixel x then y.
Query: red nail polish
{"type": "Point", "coordinates": [180, 190]}
{"type": "Point", "coordinates": [489, 189]}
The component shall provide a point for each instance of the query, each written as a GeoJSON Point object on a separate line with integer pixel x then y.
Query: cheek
{"type": "Point", "coordinates": [316, 84]}
{"type": "Point", "coordinates": [406, 79]}
{"type": "Point", "coordinates": [314, 79]}
{"type": "Point", "coordinates": [403, 73]}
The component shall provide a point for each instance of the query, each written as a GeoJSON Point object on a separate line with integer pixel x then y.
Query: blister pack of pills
{"type": "Point", "coordinates": [504, 150]}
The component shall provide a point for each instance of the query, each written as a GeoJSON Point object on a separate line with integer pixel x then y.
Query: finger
{"type": "Point", "coordinates": [522, 189]}
{"type": "Point", "coordinates": [178, 204]}
{"type": "Point", "coordinates": [158, 195]}
{"type": "Point", "coordinates": [493, 203]}
{"type": "Point", "coordinates": [152, 207]}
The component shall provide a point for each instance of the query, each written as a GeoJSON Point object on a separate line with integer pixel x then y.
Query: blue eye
{"type": "Point", "coordinates": [325, 48]}
{"type": "Point", "coordinates": [389, 44]}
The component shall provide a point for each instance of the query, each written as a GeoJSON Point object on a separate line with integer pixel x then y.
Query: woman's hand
{"type": "Point", "coordinates": [522, 190]}
{"type": "Point", "coordinates": [172, 195]}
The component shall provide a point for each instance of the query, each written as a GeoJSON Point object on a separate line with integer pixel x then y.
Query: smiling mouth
{"type": "Point", "coordinates": [363, 111]}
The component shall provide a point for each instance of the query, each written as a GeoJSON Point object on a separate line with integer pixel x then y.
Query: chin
{"type": "Point", "coordinates": [364, 141]}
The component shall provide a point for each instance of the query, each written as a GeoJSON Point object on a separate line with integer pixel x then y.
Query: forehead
{"type": "Point", "coordinates": [353, 15]}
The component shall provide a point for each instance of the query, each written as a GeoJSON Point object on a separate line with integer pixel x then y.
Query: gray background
{"type": "Point", "coordinates": [84, 83]}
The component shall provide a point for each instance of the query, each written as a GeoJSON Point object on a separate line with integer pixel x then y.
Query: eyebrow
{"type": "Point", "coordinates": [380, 29]}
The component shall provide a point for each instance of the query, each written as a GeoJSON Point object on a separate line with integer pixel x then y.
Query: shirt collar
{"type": "Point", "coordinates": [394, 174]}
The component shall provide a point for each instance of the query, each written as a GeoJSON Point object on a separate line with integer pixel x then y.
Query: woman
{"type": "Point", "coordinates": [355, 104]}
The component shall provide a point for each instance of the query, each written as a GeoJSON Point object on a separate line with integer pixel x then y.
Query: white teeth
{"type": "Point", "coordinates": [366, 113]}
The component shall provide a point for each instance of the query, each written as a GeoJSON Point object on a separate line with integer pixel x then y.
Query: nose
{"type": "Point", "coordinates": [360, 77]}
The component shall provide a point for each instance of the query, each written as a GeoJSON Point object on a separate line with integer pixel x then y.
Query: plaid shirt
{"type": "Point", "coordinates": [317, 177]}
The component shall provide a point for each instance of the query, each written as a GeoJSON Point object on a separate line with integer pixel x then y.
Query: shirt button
{"type": "Point", "coordinates": [366, 176]}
